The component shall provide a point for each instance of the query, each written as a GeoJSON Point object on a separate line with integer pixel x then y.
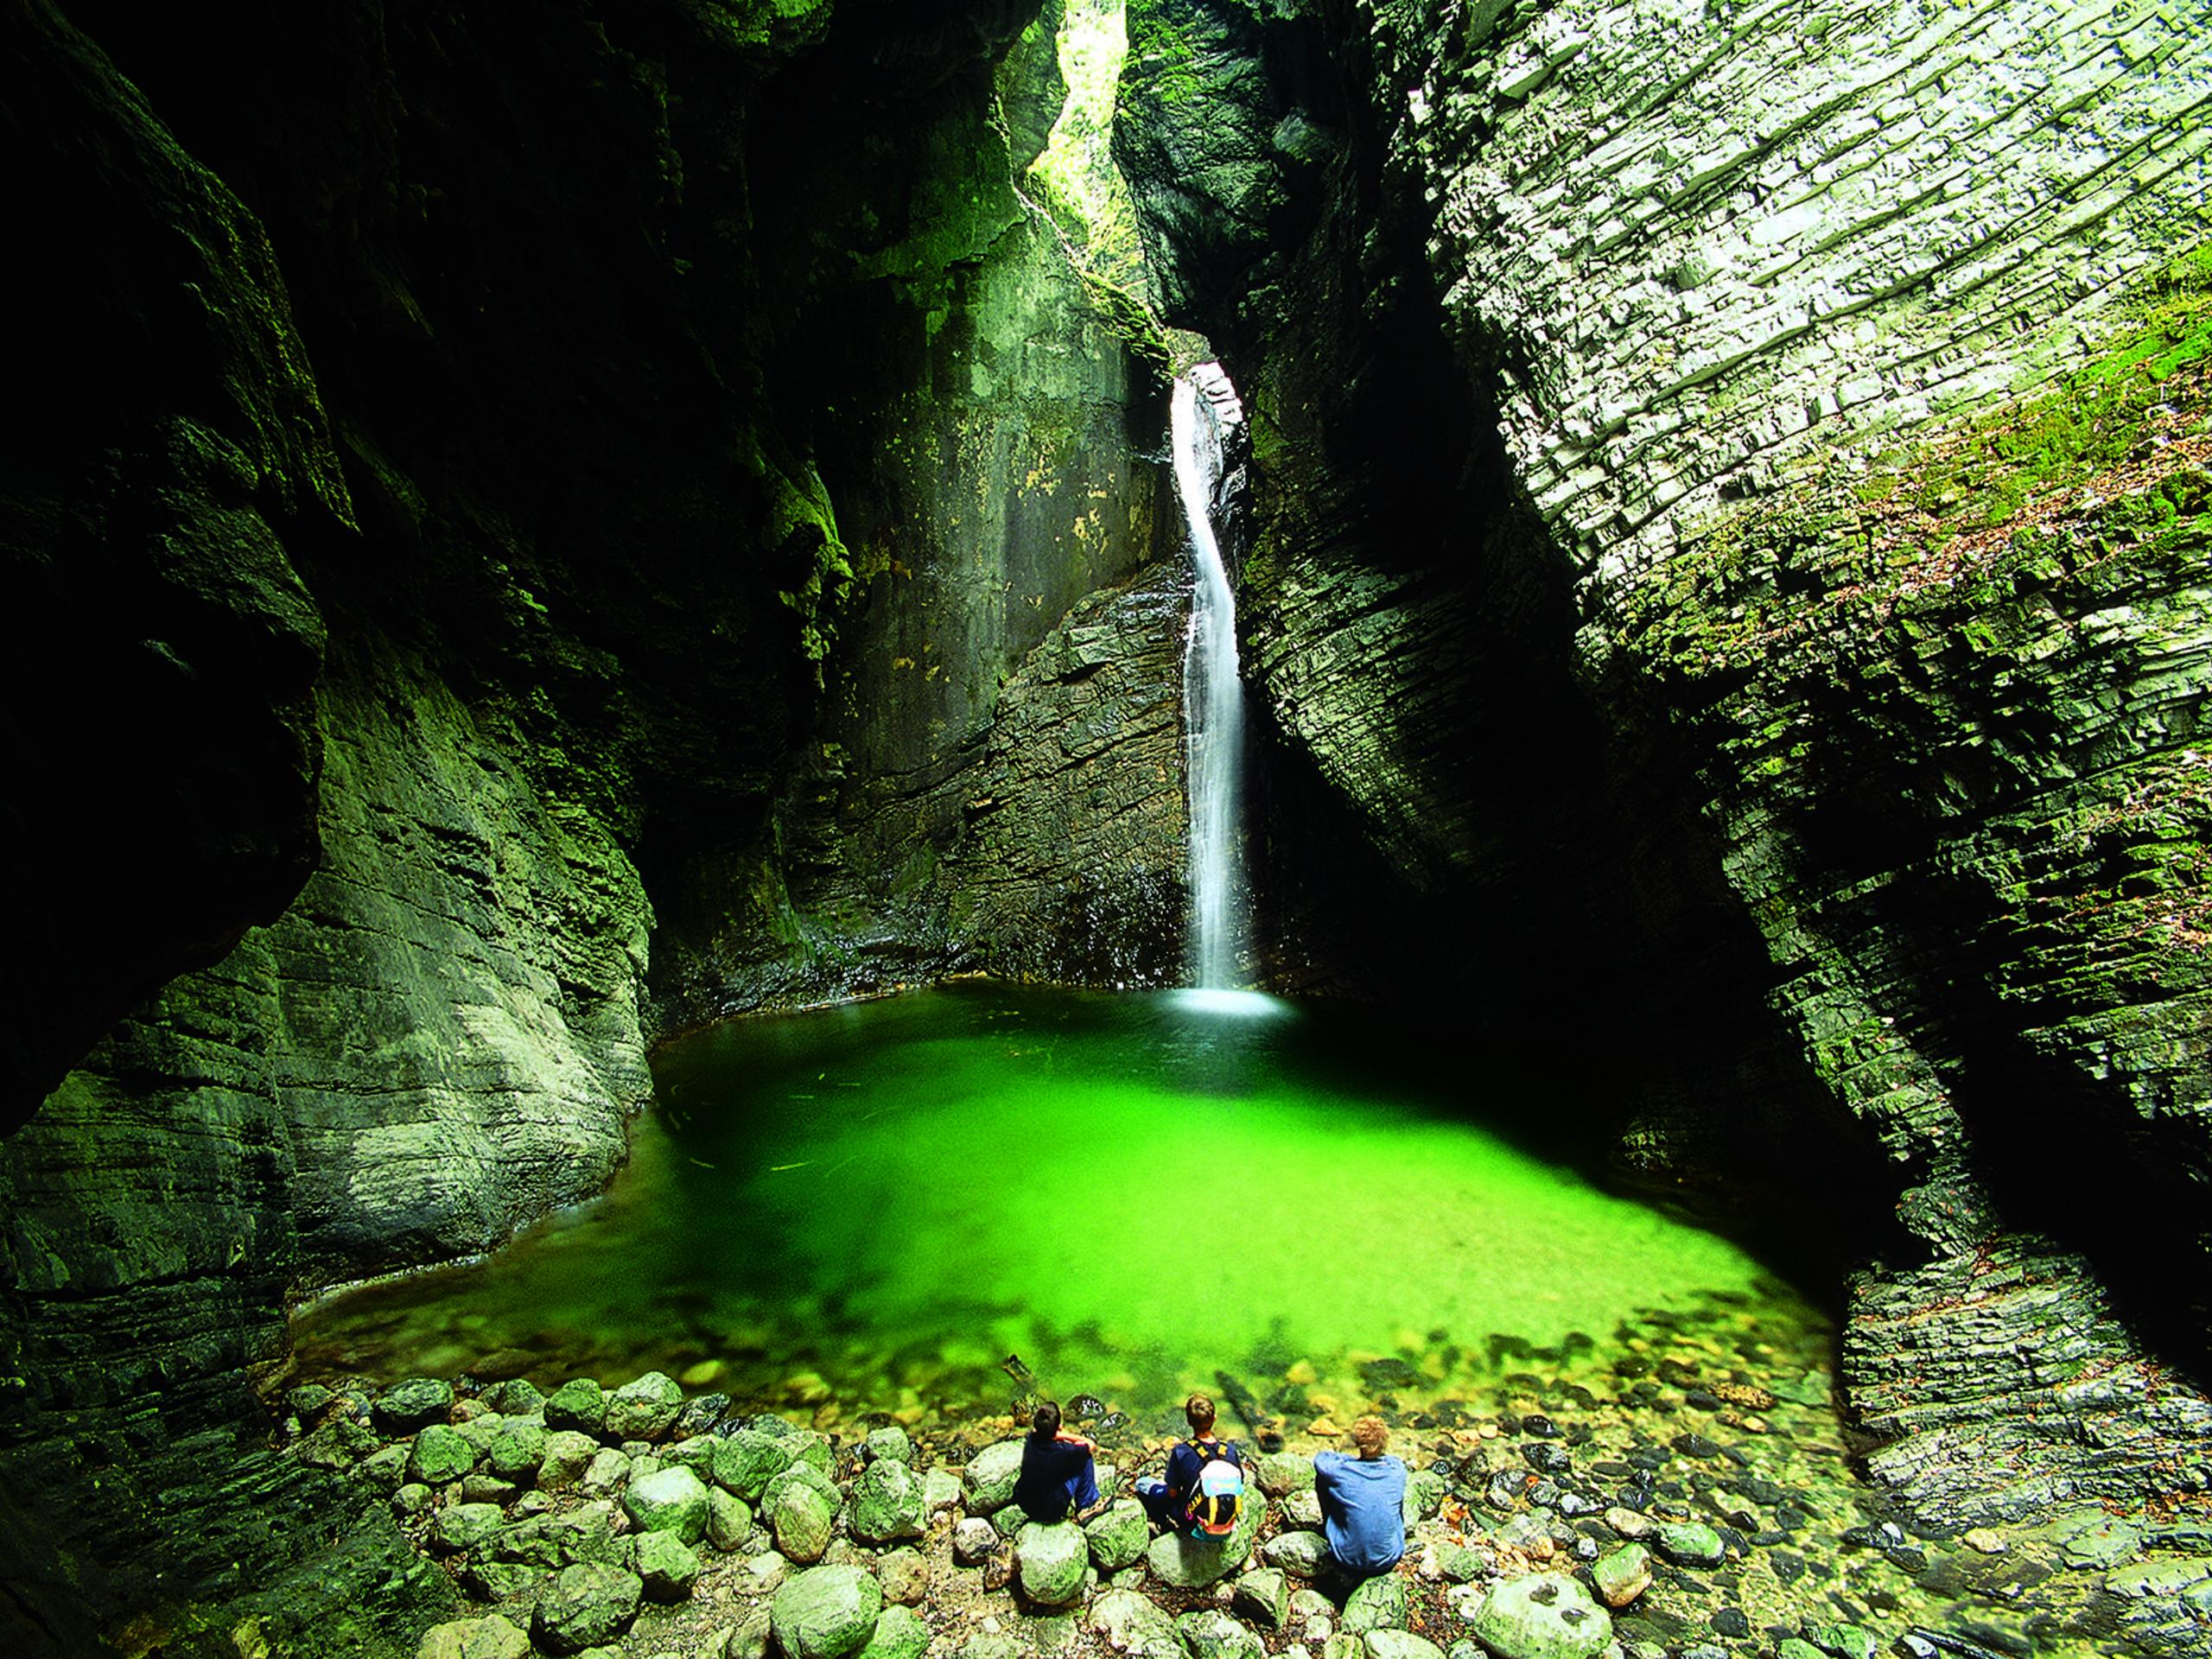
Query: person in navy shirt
{"type": "Point", "coordinates": [1167, 1501]}
{"type": "Point", "coordinates": [1057, 1471]}
{"type": "Point", "coordinates": [1362, 1503]}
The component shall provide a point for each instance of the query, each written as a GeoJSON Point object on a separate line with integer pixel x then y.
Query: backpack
{"type": "Point", "coordinates": [1217, 1494]}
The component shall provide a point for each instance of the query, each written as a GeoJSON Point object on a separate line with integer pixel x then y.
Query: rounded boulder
{"type": "Point", "coordinates": [826, 1612]}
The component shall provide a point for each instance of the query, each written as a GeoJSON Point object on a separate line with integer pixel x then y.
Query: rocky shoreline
{"type": "Point", "coordinates": [1706, 1510]}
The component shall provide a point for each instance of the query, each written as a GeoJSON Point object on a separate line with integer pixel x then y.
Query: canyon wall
{"type": "Point", "coordinates": [1825, 417]}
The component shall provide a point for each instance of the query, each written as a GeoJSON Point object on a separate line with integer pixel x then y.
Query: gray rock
{"type": "Point", "coordinates": [940, 1490]}
{"type": "Point", "coordinates": [1262, 1596]}
{"type": "Point", "coordinates": [1622, 1574]}
{"type": "Point", "coordinates": [1281, 1473]}
{"type": "Point", "coordinates": [607, 1473]}
{"type": "Point", "coordinates": [803, 1521]}
{"type": "Point", "coordinates": [515, 1397]}
{"type": "Point", "coordinates": [579, 1405]}
{"type": "Point", "coordinates": [671, 1500]}
{"type": "Point", "coordinates": [745, 1462]}
{"type": "Point", "coordinates": [1212, 1634]}
{"type": "Point", "coordinates": [668, 1566]}
{"type": "Point", "coordinates": [1377, 1604]}
{"type": "Point", "coordinates": [1401, 1644]}
{"type": "Point", "coordinates": [568, 1454]}
{"type": "Point", "coordinates": [1847, 1641]}
{"type": "Point", "coordinates": [405, 1406]}
{"type": "Point", "coordinates": [1458, 1564]}
{"type": "Point", "coordinates": [464, 1526]}
{"type": "Point", "coordinates": [826, 1612]}
{"type": "Point", "coordinates": [1543, 1616]}
{"type": "Point", "coordinates": [891, 1444]}
{"type": "Point", "coordinates": [729, 1520]}
{"type": "Point", "coordinates": [974, 1539]}
{"type": "Point", "coordinates": [1303, 1509]}
{"type": "Point", "coordinates": [489, 1637]}
{"type": "Point", "coordinates": [440, 1454]}
{"type": "Point", "coordinates": [644, 1410]}
{"type": "Point", "coordinates": [1134, 1625]}
{"type": "Point", "coordinates": [887, 1503]}
{"type": "Point", "coordinates": [1690, 1543]}
{"type": "Point", "coordinates": [588, 1605]}
{"type": "Point", "coordinates": [989, 1476]}
{"type": "Point", "coordinates": [904, 1575]}
{"type": "Point", "coordinates": [1118, 1536]}
{"type": "Point", "coordinates": [1049, 1562]}
{"type": "Point", "coordinates": [899, 1634]}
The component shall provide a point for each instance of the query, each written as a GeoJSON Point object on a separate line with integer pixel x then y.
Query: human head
{"type": "Point", "coordinates": [1371, 1435]}
{"type": "Point", "coordinates": [1046, 1420]}
{"type": "Point", "coordinates": [1199, 1409]}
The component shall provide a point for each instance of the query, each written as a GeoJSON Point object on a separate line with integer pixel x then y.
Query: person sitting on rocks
{"type": "Point", "coordinates": [1057, 1471]}
{"type": "Point", "coordinates": [1363, 1500]}
{"type": "Point", "coordinates": [1169, 1502]}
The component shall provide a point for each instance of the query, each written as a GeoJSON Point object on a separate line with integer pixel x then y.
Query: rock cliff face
{"type": "Point", "coordinates": [472, 469]}
{"type": "Point", "coordinates": [1824, 439]}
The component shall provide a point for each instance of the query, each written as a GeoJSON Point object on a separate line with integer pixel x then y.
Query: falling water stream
{"type": "Point", "coordinates": [1213, 696]}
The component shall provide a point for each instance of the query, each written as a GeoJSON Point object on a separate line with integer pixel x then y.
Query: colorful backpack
{"type": "Point", "coordinates": [1218, 1492]}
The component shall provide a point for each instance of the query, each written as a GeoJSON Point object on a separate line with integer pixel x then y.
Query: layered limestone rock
{"type": "Point", "coordinates": [1893, 717]}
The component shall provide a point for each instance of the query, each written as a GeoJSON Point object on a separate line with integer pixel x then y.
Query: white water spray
{"type": "Point", "coordinates": [1213, 698]}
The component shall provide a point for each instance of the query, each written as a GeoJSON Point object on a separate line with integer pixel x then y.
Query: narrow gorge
{"type": "Point", "coordinates": [549, 545]}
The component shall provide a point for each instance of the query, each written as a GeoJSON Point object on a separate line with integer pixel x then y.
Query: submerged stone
{"type": "Point", "coordinates": [1691, 1543]}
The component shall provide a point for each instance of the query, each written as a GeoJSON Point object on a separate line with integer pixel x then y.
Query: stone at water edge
{"type": "Point", "coordinates": [886, 1503]}
{"type": "Point", "coordinates": [668, 1500]}
{"type": "Point", "coordinates": [899, 1634]}
{"type": "Point", "coordinates": [1379, 1602]}
{"type": "Point", "coordinates": [489, 1637]}
{"type": "Point", "coordinates": [1049, 1562]}
{"type": "Point", "coordinates": [826, 1612]}
{"type": "Point", "coordinates": [405, 1406]}
{"type": "Point", "coordinates": [517, 1452]}
{"type": "Point", "coordinates": [440, 1454]}
{"type": "Point", "coordinates": [644, 1410]}
{"type": "Point", "coordinates": [1691, 1543]}
{"type": "Point", "coordinates": [1118, 1538]}
{"type": "Point", "coordinates": [1543, 1616]}
{"type": "Point", "coordinates": [1401, 1644]}
{"type": "Point", "coordinates": [991, 1476]}
{"type": "Point", "coordinates": [667, 1565]}
{"type": "Point", "coordinates": [588, 1605]}
{"type": "Point", "coordinates": [579, 1405]}
{"type": "Point", "coordinates": [1622, 1574]}
{"type": "Point", "coordinates": [515, 1397]}
{"type": "Point", "coordinates": [1262, 1596]}
{"type": "Point", "coordinates": [1212, 1634]}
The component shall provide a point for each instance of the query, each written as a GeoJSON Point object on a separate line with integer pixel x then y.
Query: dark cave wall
{"type": "Point", "coordinates": [495, 458]}
{"type": "Point", "coordinates": [1578, 382]}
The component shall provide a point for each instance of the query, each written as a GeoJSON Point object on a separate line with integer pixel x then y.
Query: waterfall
{"type": "Point", "coordinates": [1213, 698]}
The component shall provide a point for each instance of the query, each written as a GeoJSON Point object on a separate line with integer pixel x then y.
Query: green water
{"type": "Point", "coordinates": [867, 1208]}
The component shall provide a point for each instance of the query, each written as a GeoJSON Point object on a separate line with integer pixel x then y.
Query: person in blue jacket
{"type": "Point", "coordinates": [1168, 1502]}
{"type": "Point", "coordinates": [1362, 1503]}
{"type": "Point", "coordinates": [1058, 1471]}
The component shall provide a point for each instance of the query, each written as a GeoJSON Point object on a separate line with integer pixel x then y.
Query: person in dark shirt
{"type": "Point", "coordinates": [1167, 1501]}
{"type": "Point", "coordinates": [1362, 1503]}
{"type": "Point", "coordinates": [1057, 1471]}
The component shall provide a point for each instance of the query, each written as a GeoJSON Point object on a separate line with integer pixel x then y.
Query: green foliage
{"type": "Point", "coordinates": [1074, 179]}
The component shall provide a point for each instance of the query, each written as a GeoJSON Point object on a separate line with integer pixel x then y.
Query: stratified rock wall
{"type": "Point", "coordinates": [1857, 708]}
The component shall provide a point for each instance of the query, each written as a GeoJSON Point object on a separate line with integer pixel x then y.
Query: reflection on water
{"type": "Point", "coordinates": [876, 1204]}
